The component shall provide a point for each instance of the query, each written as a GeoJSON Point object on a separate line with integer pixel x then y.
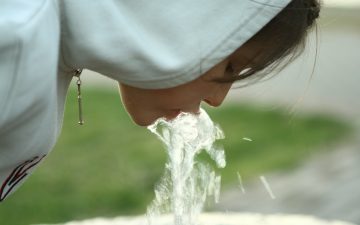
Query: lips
{"type": "Point", "coordinates": [172, 114]}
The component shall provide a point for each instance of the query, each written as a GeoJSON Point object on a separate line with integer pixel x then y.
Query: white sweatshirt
{"type": "Point", "coordinates": [147, 44]}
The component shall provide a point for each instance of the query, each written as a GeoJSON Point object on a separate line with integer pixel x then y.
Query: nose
{"type": "Point", "coordinates": [216, 98]}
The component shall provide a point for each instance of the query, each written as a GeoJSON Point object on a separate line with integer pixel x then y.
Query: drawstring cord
{"type": "Point", "coordinates": [77, 74]}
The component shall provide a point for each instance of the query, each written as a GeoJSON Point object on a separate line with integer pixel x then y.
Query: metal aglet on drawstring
{"type": "Point", "coordinates": [77, 74]}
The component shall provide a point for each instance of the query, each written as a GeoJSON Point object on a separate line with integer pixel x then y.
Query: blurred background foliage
{"type": "Point", "coordinates": [109, 166]}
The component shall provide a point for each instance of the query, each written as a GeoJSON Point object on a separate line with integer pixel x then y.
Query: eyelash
{"type": "Point", "coordinates": [231, 75]}
{"type": "Point", "coordinates": [229, 68]}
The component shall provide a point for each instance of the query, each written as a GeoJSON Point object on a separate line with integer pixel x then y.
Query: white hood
{"type": "Point", "coordinates": [158, 43]}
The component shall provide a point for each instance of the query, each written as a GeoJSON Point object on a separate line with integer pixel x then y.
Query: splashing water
{"type": "Point", "coordinates": [241, 186]}
{"type": "Point", "coordinates": [267, 187]}
{"type": "Point", "coordinates": [186, 183]}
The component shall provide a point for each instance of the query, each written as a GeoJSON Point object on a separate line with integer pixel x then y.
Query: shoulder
{"type": "Point", "coordinates": [23, 21]}
{"type": "Point", "coordinates": [29, 40]}
{"type": "Point", "coordinates": [30, 104]}
{"type": "Point", "coordinates": [21, 13]}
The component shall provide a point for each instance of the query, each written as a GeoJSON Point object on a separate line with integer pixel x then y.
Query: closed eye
{"type": "Point", "coordinates": [230, 69]}
{"type": "Point", "coordinates": [231, 74]}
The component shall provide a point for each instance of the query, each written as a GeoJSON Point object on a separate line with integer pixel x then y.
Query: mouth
{"type": "Point", "coordinates": [172, 114]}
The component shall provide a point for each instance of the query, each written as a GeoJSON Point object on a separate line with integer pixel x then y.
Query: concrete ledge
{"type": "Point", "coordinates": [217, 219]}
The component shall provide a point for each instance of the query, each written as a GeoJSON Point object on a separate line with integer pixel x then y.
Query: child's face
{"type": "Point", "coordinates": [145, 105]}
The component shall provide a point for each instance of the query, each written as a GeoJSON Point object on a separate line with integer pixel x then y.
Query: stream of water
{"type": "Point", "coordinates": [187, 182]}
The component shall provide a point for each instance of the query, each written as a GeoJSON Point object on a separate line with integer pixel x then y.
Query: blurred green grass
{"type": "Point", "coordinates": [109, 166]}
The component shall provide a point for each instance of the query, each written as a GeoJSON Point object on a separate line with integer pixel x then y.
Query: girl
{"type": "Point", "coordinates": [168, 57]}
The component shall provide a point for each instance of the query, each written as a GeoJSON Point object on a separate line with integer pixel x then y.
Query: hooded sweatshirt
{"type": "Point", "coordinates": [146, 44]}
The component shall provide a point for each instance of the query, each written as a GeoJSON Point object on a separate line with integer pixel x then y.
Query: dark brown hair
{"type": "Point", "coordinates": [282, 40]}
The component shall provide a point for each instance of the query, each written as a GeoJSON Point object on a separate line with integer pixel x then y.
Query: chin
{"type": "Point", "coordinates": [143, 122]}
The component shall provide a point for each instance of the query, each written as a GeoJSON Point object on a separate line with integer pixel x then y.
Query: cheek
{"type": "Point", "coordinates": [126, 97]}
{"type": "Point", "coordinates": [133, 102]}
{"type": "Point", "coordinates": [141, 114]}
{"type": "Point", "coordinates": [134, 98]}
